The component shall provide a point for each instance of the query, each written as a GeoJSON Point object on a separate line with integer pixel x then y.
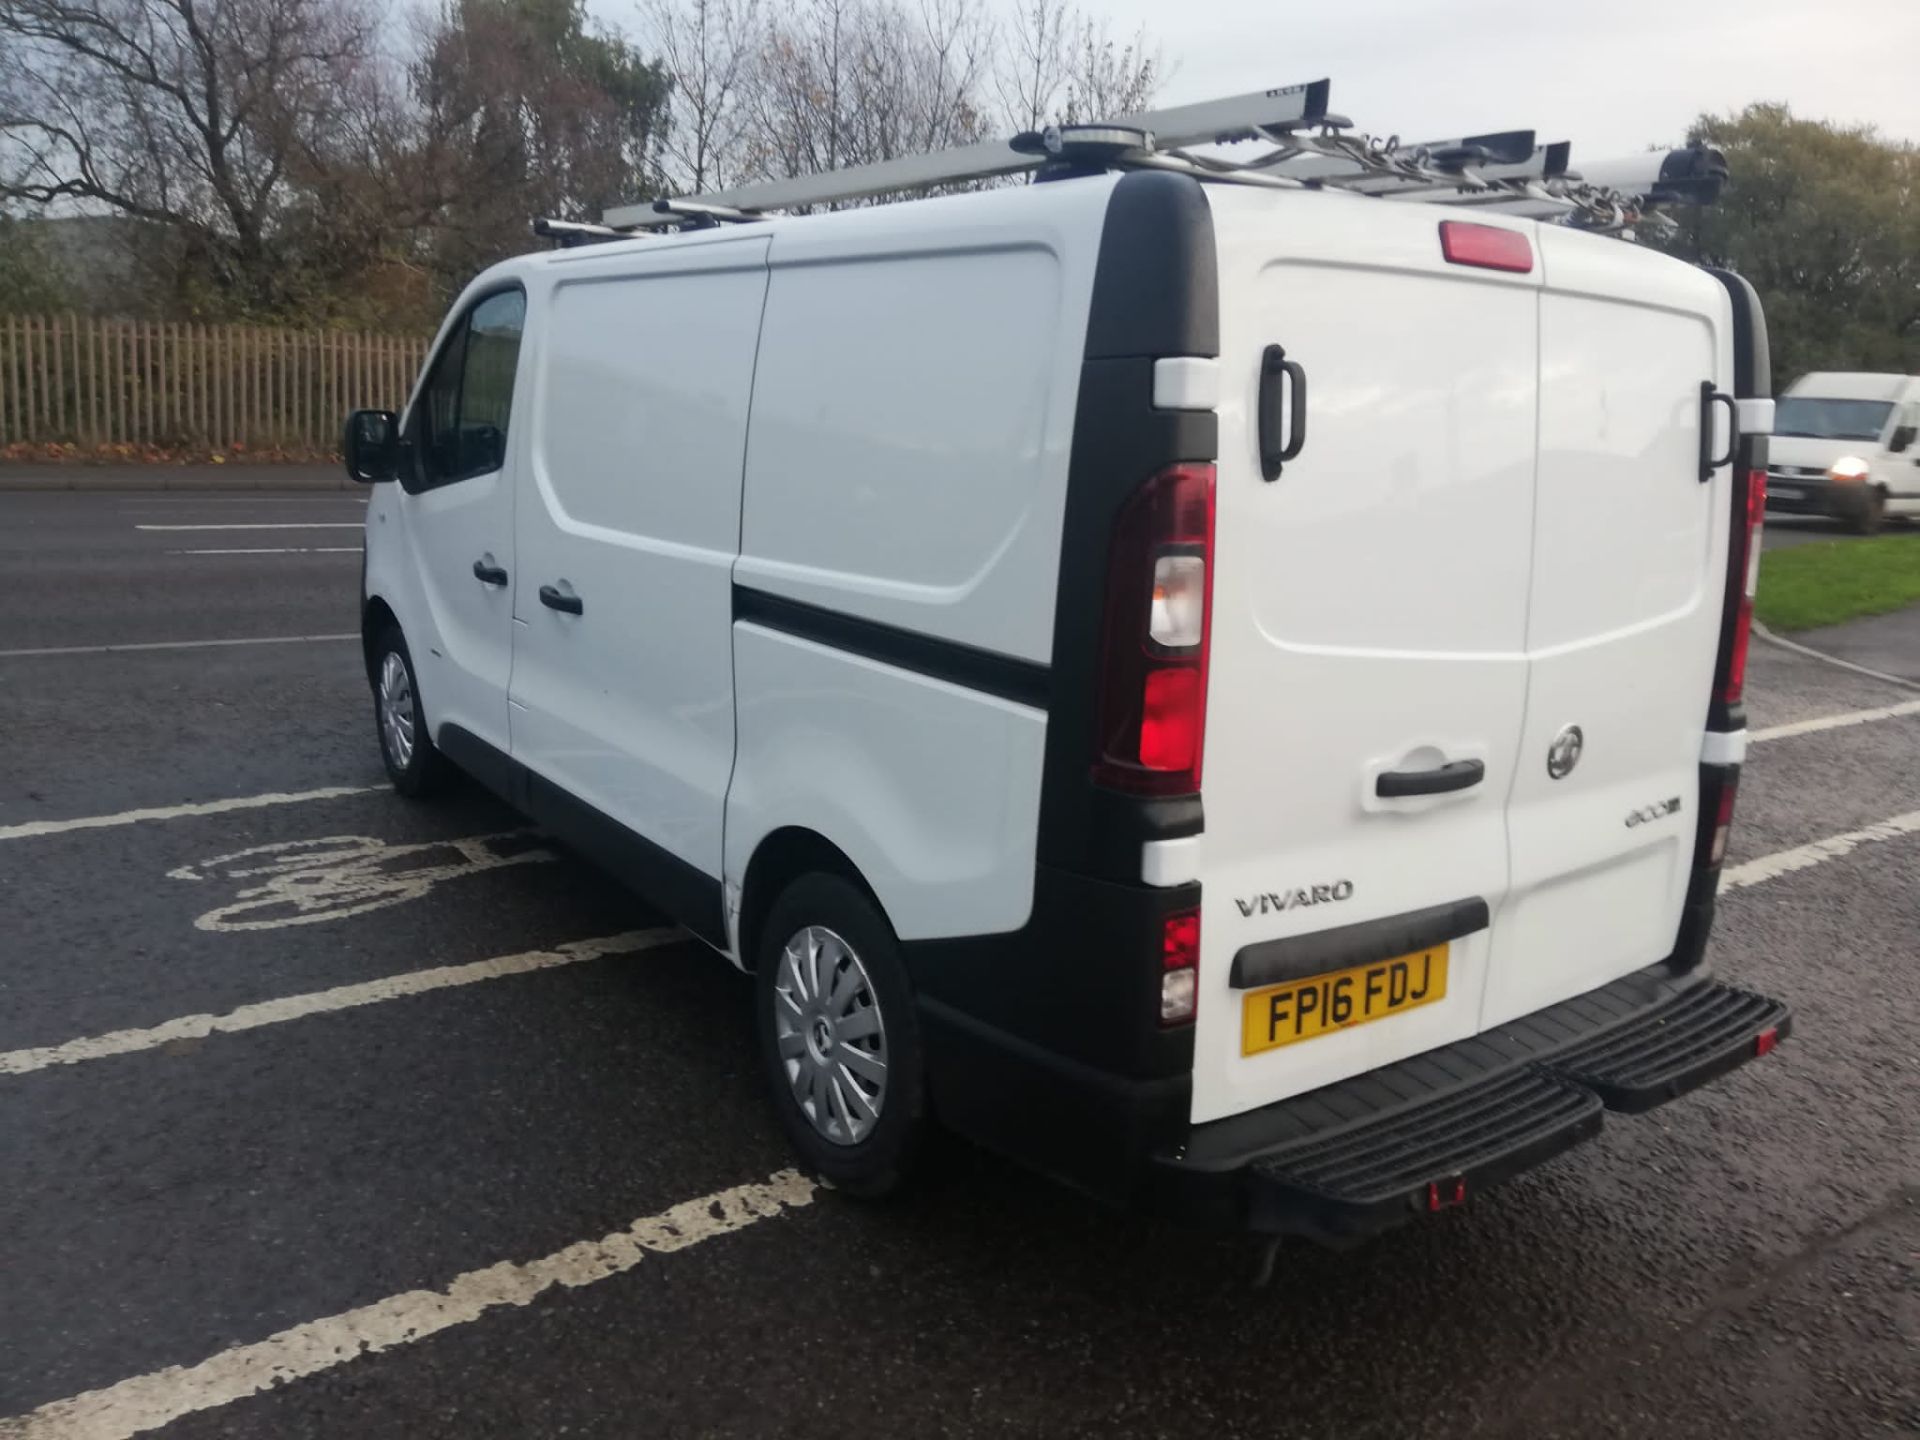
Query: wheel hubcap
{"type": "Point", "coordinates": [831, 1037]}
{"type": "Point", "coordinates": [396, 709]}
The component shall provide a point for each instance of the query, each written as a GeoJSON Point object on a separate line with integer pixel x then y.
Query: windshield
{"type": "Point", "coordinates": [1831, 419]}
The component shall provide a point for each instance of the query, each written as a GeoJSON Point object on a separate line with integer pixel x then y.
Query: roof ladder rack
{"type": "Point", "coordinates": [1507, 172]}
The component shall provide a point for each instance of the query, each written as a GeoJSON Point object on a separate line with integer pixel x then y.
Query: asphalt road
{"type": "Point", "coordinates": [509, 1202]}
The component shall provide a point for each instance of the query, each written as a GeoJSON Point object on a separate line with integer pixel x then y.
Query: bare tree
{"type": "Point", "coordinates": [1105, 79]}
{"type": "Point", "coordinates": [706, 48]}
{"type": "Point", "coordinates": [1062, 65]}
{"type": "Point", "coordinates": [846, 82]}
{"type": "Point", "coordinates": [1032, 71]}
{"type": "Point", "coordinates": [198, 115]}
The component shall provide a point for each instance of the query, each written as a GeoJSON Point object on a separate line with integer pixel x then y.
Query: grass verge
{"type": "Point", "coordinates": [1829, 581]}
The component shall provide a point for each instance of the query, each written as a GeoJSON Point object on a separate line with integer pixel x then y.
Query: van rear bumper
{"type": "Point", "coordinates": [1364, 1154]}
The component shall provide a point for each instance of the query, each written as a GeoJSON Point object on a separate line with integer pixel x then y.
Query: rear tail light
{"type": "Point", "coordinates": [1723, 818]}
{"type": "Point", "coordinates": [1180, 966]}
{"type": "Point", "coordinates": [1746, 562]}
{"type": "Point", "coordinates": [1153, 649]}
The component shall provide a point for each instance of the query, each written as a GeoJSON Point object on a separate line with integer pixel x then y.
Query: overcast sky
{"type": "Point", "coordinates": [1610, 75]}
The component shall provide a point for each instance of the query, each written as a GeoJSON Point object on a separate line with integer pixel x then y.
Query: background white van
{"type": "Point", "coordinates": [1845, 445]}
{"type": "Point", "coordinates": [868, 589]}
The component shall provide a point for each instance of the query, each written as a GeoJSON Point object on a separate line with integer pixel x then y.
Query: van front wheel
{"type": "Point", "coordinates": [838, 1036]}
{"type": "Point", "coordinates": [413, 763]}
{"type": "Point", "coordinates": [1869, 512]}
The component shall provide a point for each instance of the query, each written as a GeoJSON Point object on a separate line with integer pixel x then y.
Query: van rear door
{"type": "Point", "coordinates": [1629, 566]}
{"type": "Point", "coordinates": [1368, 674]}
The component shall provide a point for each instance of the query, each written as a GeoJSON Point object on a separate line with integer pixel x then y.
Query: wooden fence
{"type": "Point", "coordinates": [92, 382]}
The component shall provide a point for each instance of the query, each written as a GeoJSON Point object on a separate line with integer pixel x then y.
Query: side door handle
{"type": "Point", "coordinates": [1709, 397]}
{"type": "Point", "coordinates": [488, 574]}
{"type": "Point", "coordinates": [1441, 780]}
{"type": "Point", "coordinates": [556, 600]}
{"type": "Point", "coordinates": [1276, 450]}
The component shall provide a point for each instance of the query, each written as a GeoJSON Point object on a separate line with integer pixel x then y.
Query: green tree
{"type": "Point", "coordinates": [529, 110]}
{"type": "Point", "coordinates": [31, 281]}
{"type": "Point", "coordinates": [1824, 220]}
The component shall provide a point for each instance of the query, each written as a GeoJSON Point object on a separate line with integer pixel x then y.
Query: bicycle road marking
{"type": "Point", "coordinates": [329, 877]}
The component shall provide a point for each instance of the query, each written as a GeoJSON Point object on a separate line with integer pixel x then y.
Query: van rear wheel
{"type": "Point", "coordinates": [838, 1036]}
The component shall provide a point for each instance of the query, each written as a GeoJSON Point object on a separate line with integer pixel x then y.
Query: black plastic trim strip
{"type": "Point", "coordinates": [1022, 681]}
{"type": "Point", "coordinates": [1272, 962]}
{"type": "Point", "coordinates": [1752, 356]}
{"type": "Point", "coordinates": [687, 894]}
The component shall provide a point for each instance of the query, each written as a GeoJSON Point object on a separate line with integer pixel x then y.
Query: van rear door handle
{"type": "Point", "coordinates": [1441, 780]}
{"type": "Point", "coordinates": [555, 600]}
{"type": "Point", "coordinates": [488, 574]}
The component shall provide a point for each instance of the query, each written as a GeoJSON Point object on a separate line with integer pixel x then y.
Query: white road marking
{"type": "Point", "coordinates": [321, 1002]}
{"type": "Point", "coordinates": [334, 876]}
{"type": "Point", "coordinates": [279, 550]}
{"type": "Point", "coordinates": [172, 645]}
{"type": "Point", "coordinates": [267, 525]}
{"type": "Point", "coordinates": [1835, 722]}
{"type": "Point", "coordinates": [1802, 857]}
{"type": "Point", "coordinates": [28, 829]}
{"type": "Point", "coordinates": [146, 1402]}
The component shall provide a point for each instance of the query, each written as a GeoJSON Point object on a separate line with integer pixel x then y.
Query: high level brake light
{"type": "Point", "coordinates": [1153, 649]}
{"type": "Point", "coordinates": [1485, 247]}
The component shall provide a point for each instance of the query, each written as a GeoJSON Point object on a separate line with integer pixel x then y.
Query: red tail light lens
{"type": "Point", "coordinates": [1180, 967]}
{"type": "Point", "coordinates": [1723, 818]}
{"type": "Point", "coordinates": [1153, 650]}
{"type": "Point", "coordinates": [1746, 560]}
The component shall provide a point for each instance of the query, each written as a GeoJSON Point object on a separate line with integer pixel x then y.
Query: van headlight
{"type": "Point", "coordinates": [1849, 471]}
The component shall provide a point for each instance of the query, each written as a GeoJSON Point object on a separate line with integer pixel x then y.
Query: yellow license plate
{"type": "Point", "coordinates": [1341, 999]}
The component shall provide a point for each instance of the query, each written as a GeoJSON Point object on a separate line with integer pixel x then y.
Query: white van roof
{"type": "Point", "coordinates": [1850, 385]}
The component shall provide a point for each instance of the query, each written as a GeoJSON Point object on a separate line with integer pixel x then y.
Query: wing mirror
{"type": "Point", "coordinates": [1901, 439]}
{"type": "Point", "coordinates": [372, 446]}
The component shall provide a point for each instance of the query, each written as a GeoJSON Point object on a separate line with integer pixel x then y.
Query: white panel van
{"type": "Point", "coordinates": [1229, 695]}
{"type": "Point", "coordinates": [1845, 446]}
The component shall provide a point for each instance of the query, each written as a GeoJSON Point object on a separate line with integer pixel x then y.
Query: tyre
{"type": "Point", "coordinates": [1869, 514]}
{"type": "Point", "coordinates": [413, 764]}
{"type": "Point", "coordinates": [838, 1037]}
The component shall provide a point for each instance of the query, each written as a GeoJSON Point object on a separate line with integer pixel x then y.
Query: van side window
{"type": "Point", "coordinates": [468, 397]}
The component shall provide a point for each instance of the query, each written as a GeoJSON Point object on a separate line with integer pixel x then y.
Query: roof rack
{"type": "Point", "coordinates": [1507, 172]}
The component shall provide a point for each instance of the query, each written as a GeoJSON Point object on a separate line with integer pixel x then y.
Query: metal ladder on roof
{"type": "Point", "coordinates": [1308, 147]}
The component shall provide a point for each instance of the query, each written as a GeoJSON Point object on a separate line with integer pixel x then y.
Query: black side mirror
{"type": "Point", "coordinates": [1901, 439]}
{"type": "Point", "coordinates": [372, 445]}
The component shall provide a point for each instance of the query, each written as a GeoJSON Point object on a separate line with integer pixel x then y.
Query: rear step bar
{"type": "Point", "coordinates": [1423, 1158]}
{"type": "Point", "coordinates": [1364, 1154]}
{"type": "Point", "coordinates": [1699, 1034]}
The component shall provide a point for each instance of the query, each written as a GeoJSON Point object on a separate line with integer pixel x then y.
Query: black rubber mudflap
{"type": "Point", "coordinates": [1700, 1033]}
{"type": "Point", "coordinates": [1426, 1156]}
